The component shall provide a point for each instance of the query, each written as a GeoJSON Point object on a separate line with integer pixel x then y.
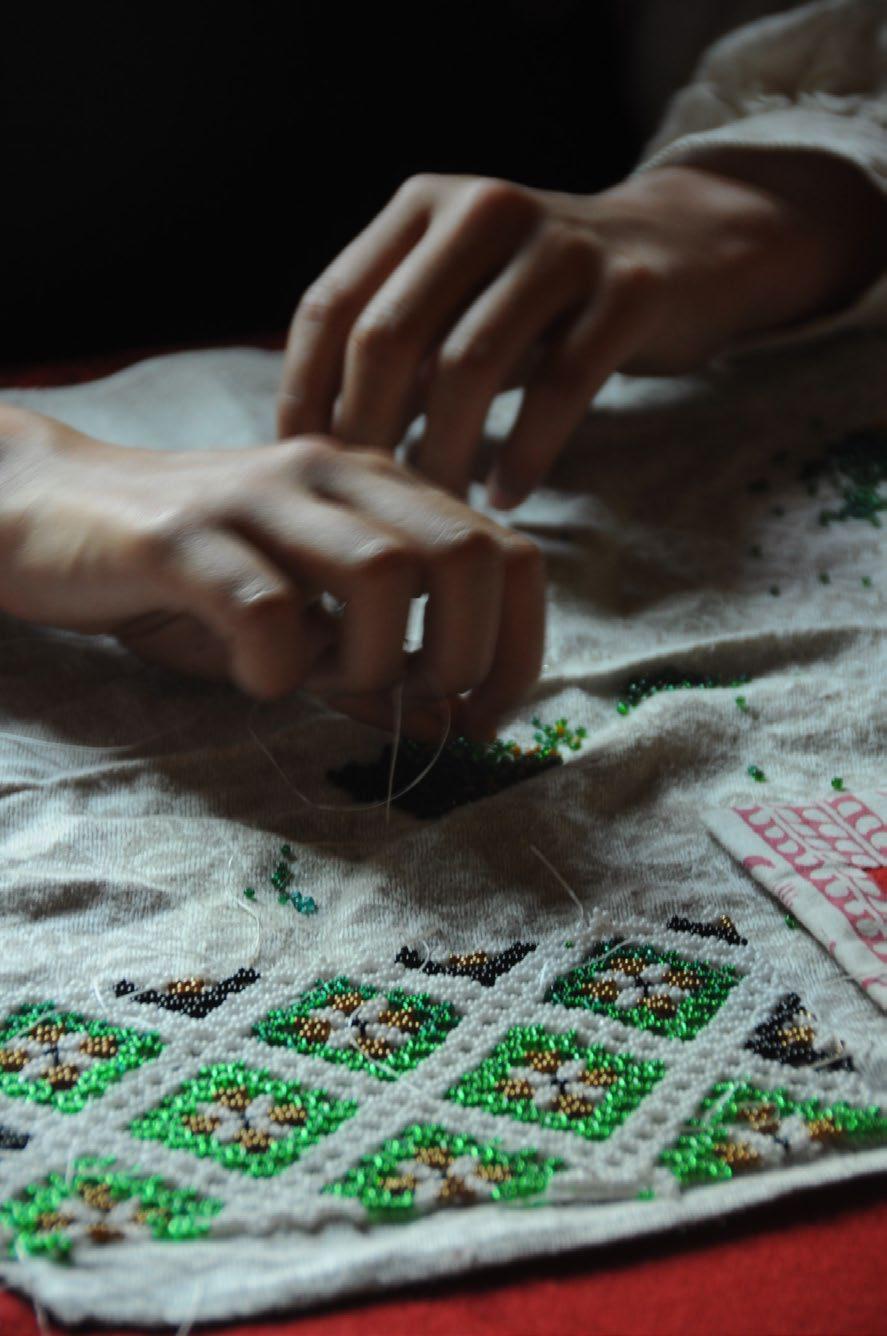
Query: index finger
{"type": "Point", "coordinates": [315, 353]}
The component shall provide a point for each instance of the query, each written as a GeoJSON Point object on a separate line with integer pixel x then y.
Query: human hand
{"type": "Point", "coordinates": [214, 563]}
{"type": "Point", "coordinates": [464, 286]}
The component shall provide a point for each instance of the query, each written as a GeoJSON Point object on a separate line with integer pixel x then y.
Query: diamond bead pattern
{"type": "Point", "coordinates": [385, 1034]}
{"type": "Point", "coordinates": [427, 1167]}
{"type": "Point", "coordinates": [64, 1059]}
{"type": "Point", "coordinates": [246, 1119]}
{"type": "Point", "coordinates": [645, 987]}
{"type": "Point", "coordinates": [536, 1076]}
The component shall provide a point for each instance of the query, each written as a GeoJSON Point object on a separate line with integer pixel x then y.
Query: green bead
{"type": "Point", "coordinates": [838, 784]}
{"type": "Point", "coordinates": [250, 893]}
{"type": "Point", "coordinates": [756, 773]}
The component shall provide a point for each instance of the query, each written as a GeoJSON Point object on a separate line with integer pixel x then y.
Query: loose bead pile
{"type": "Point", "coordinates": [740, 1127]}
{"type": "Point", "coordinates": [723, 928]}
{"type": "Point", "coordinates": [651, 989]}
{"type": "Point", "coordinates": [464, 772]}
{"type": "Point", "coordinates": [485, 969]}
{"type": "Point", "coordinates": [281, 880]}
{"type": "Point", "coordinates": [673, 679]}
{"type": "Point", "coordinates": [195, 997]}
{"type": "Point", "coordinates": [246, 1119]}
{"type": "Point", "coordinates": [536, 1076]}
{"type": "Point", "coordinates": [855, 467]}
{"type": "Point", "coordinates": [427, 1166]}
{"type": "Point", "coordinates": [384, 1034]}
{"type": "Point", "coordinates": [788, 1036]}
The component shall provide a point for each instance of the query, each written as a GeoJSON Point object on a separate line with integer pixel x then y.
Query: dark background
{"type": "Point", "coordinates": [166, 180]}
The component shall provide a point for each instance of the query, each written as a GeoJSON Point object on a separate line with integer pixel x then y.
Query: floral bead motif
{"type": "Point", "coordinates": [64, 1059]}
{"type": "Point", "coordinates": [426, 1168]}
{"type": "Point", "coordinates": [94, 1205]}
{"type": "Point", "coordinates": [536, 1076]}
{"type": "Point", "coordinates": [647, 988]}
{"type": "Point", "coordinates": [739, 1128]}
{"type": "Point", "coordinates": [247, 1119]}
{"type": "Point", "coordinates": [385, 1034]}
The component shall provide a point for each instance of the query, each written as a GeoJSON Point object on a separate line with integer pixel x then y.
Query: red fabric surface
{"type": "Point", "coordinates": [810, 1266]}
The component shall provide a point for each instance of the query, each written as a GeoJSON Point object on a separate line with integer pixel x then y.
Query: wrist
{"type": "Point", "coordinates": [796, 235]}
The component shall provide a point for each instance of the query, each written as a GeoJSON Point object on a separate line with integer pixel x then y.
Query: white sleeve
{"type": "Point", "coordinates": [814, 78]}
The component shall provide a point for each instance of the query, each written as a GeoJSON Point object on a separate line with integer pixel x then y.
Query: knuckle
{"type": "Point", "coordinates": [523, 558]}
{"type": "Point", "coordinates": [254, 603]}
{"type": "Point", "coordinates": [472, 547]}
{"type": "Point", "coordinates": [304, 457]}
{"type": "Point", "coordinates": [383, 561]}
{"type": "Point", "coordinates": [469, 359]}
{"type": "Point", "coordinates": [634, 277]}
{"type": "Point", "coordinates": [326, 302]}
{"type": "Point", "coordinates": [380, 333]}
{"type": "Point", "coordinates": [577, 252]}
{"type": "Point", "coordinates": [376, 461]}
{"type": "Point", "coordinates": [157, 541]}
{"type": "Point", "coordinates": [416, 188]}
{"type": "Point", "coordinates": [499, 201]}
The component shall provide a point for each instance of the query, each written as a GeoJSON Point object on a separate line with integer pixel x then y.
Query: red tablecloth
{"type": "Point", "coordinates": [811, 1266]}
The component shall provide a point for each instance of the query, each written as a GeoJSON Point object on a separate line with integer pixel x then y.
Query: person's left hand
{"type": "Point", "coordinates": [465, 286]}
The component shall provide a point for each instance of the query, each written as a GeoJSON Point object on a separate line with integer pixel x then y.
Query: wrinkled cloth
{"type": "Point", "coordinates": [664, 548]}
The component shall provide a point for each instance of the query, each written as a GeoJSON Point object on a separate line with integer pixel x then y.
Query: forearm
{"type": "Point", "coordinates": [829, 226]}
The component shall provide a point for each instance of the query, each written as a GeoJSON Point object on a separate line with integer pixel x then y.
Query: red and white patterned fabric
{"type": "Point", "coordinates": [826, 861]}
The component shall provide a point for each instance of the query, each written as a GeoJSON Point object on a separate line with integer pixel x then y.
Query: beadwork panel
{"type": "Point", "coordinates": [264, 1039]}
{"type": "Point", "coordinates": [632, 1066]}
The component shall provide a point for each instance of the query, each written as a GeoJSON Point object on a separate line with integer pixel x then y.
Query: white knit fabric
{"type": "Point", "coordinates": [129, 865]}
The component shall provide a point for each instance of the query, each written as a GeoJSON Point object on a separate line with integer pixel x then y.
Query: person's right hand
{"type": "Point", "coordinates": [215, 562]}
